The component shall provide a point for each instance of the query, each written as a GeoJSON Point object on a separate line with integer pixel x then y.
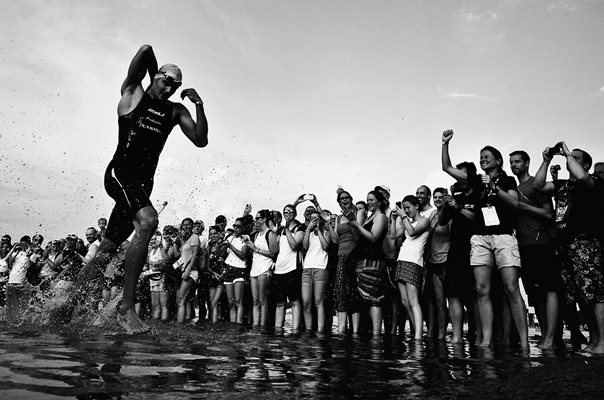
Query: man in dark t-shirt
{"type": "Point", "coordinates": [145, 119]}
{"type": "Point", "coordinates": [579, 228]}
{"type": "Point", "coordinates": [540, 268]}
{"type": "Point", "coordinates": [459, 281]}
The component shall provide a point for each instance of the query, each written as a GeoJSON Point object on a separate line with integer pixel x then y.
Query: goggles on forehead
{"type": "Point", "coordinates": [170, 79]}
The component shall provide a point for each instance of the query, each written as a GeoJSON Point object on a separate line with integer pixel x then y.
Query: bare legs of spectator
{"type": "Point", "coordinates": [375, 313]}
{"type": "Point", "coordinates": [181, 299]}
{"type": "Point", "coordinates": [159, 304]}
{"type": "Point", "coordinates": [259, 286]}
{"type": "Point", "coordinates": [598, 330]}
{"type": "Point", "coordinates": [456, 315]}
{"type": "Point", "coordinates": [235, 294]}
{"type": "Point", "coordinates": [440, 306]}
{"type": "Point", "coordinates": [216, 302]}
{"type": "Point", "coordinates": [410, 297]}
{"type": "Point", "coordinates": [549, 306]}
{"type": "Point", "coordinates": [230, 294]}
{"type": "Point", "coordinates": [509, 276]}
{"type": "Point", "coordinates": [313, 293]}
{"type": "Point", "coordinates": [343, 318]}
{"type": "Point", "coordinates": [296, 315]}
{"type": "Point", "coordinates": [571, 317]}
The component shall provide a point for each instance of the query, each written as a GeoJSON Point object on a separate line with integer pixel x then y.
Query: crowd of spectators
{"type": "Point", "coordinates": [375, 264]}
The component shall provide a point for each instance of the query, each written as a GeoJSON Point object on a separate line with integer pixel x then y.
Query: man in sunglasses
{"type": "Point", "coordinates": [145, 119]}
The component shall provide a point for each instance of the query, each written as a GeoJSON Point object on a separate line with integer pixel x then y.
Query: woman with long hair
{"type": "Point", "coordinates": [265, 248]}
{"type": "Point", "coordinates": [346, 293]}
{"type": "Point", "coordinates": [410, 264]}
{"type": "Point", "coordinates": [361, 211]}
{"type": "Point", "coordinates": [288, 276]}
{"type": "Point", "coordinates": [236, 271]}
{"type": "Point", "coordinates": [187, 263]}
{"type": "Point", "coordinates": [216, 256]}
{"type": "Point", "coordinates": [459, 277]}
{"type": "Point", "coordinates": [315, 275]}
{"type": "Point", "coordinates": [157, 259]}
{"type": "Point", "coordinates": [371, 264]}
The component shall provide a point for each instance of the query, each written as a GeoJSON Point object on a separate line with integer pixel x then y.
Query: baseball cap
{"type": "Point", "coordinates": [383, 188]}
{"type": "Point", "coordinates": [170, 72]}
{"type": "Point", "coordinates": [72, 237]}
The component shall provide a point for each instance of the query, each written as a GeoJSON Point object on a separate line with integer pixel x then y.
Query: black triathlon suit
{"type": "Point", "coordinates": [129, 176]}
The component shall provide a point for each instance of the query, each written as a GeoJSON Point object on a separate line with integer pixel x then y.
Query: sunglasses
{"type": "Point", "coordinates": [259, 218]}
{"type": "Point", "coordinates": [236, 226]}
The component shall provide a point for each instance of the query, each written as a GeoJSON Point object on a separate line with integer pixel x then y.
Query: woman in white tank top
{"type": "Point", "coordinates": [157, 258]}
{"type": "Point", "coordinates": [236, 272]}
{"type": "Point", "coordinates": [187, 263]}
{"type": "Point", "coordinates": [287, 278]}
{"type": "Point", "coordinates": [410, 264]}
{"type": "Point", "coordinates": [265, 248]}
{"type": "Point", "coordinates": [315, 275]}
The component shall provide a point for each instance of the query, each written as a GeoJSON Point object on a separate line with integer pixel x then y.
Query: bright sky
{"type": "Point", "coordinates": [301, 96]}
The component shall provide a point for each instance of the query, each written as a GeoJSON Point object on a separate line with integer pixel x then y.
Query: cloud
{"type": "Point", "coordinates": [510, 3]}
{"type": "Point", "coordinates": [457, 95]}
{"type": "Point", "coordinates": [479, 27]}
{"type": "Point", "coordinates": [472, 16]}
{"type": "Point", "coordinates": [562, 6]}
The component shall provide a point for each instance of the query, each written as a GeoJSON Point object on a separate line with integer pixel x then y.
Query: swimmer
{"type": "Point", "coordinates": [145, 119]}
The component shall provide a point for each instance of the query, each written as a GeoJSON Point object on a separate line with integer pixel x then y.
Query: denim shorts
{"type": "Point", "coordinates": [310, 275]}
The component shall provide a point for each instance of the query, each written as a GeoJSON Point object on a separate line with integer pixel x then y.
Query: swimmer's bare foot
{"type": "Point", "coordinates": [131, 323]}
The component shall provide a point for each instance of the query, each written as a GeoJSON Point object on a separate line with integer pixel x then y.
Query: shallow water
{"type": "Point", "coordinates": [185, 362]}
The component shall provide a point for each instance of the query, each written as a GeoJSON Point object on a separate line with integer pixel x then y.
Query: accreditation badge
{"type": "Point", "coordinates": [490, 216]}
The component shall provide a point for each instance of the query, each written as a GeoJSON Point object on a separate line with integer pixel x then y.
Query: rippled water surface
{"type": "Point", "coordinates": [228, 362]}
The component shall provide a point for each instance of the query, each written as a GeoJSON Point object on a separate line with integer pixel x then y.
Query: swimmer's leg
{"type": "Point", "coordinates": [145, 225]}
{"type": "Point", "coordinates": [88, 280]}
{"type": "Point", "coordinates": [94, 270]}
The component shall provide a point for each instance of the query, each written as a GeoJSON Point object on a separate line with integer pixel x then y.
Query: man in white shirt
{"type": "Point", "coordinates": [424, 194]}
{"type": "Point", "coordinates": [92, 237]}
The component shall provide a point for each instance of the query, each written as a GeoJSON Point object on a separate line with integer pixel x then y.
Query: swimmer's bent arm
{"type": "Point", "coordinates": [197, 132]}
{"type": "Point", "coordinates": [143, 61]}
{"type": "Point", "coordinates": [132, 89]}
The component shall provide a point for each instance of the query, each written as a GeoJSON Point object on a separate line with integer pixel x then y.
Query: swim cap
{"type": "Point", "coordinates": [170, 71]}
